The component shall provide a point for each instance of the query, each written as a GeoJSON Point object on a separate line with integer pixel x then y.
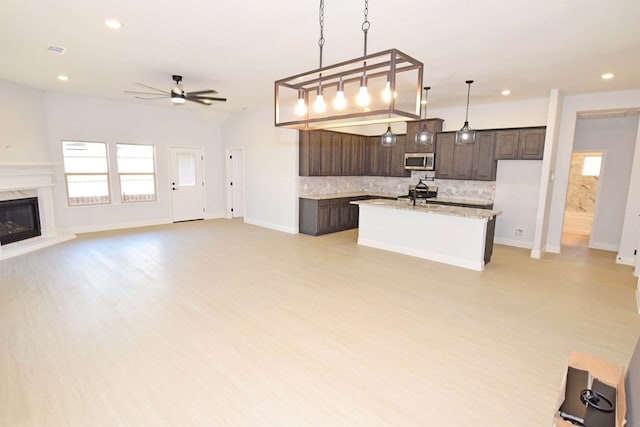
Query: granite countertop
{"type": "Point", "coordinates": [462, 201]}
{"type": "Point", "coordinates": [407, 205]}
{"type": "Point", "coordinates": [344, 195]}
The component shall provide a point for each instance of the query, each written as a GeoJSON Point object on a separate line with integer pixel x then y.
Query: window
{"type": "Point", "coordinates": [86, 173]}
{"type": "Point", "coordinates": [136, 167]}
{"type": "Point", "coordinates": [591, 165]}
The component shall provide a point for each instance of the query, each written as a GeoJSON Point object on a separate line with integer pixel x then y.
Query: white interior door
{"type": "Point", "coordinates": [235, 178]}
{"type": "Point", "coordinates": [187, 183]}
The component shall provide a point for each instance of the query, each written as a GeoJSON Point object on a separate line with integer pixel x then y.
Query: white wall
{"type": "Point", "coordinates": [517, 189]}
{"type": "Point", "coordinates": [23, 137]}
{"type": "Point", "coordinates": [616, 137]}
{"type": "Point", "coordinates": [584, 103]}
{"type": "Point", "coordinates": [90, 119]}
{"type": "Point", "coordinates": [270, 168]}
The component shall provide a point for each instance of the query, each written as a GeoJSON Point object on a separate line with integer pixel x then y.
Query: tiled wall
{"type": "Point", "coordinates": [451, 189]}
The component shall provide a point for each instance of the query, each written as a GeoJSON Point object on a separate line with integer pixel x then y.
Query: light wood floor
{"type": "Point", "coordinates": [219, 323]}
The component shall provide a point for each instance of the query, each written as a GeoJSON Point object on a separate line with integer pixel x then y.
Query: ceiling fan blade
{"type": "Point", "coordinates": [194, 99]}
{"type": "Point", "coordinates": [208, 98]}
{"type": "Point", "coordinates": [152, 88]}
{"type": "Point", "coordinates": [202, 92]}
{"type": "Point", "coordinates": [141, 93]}
{"type": "Point", "coordinates": [154, 97]}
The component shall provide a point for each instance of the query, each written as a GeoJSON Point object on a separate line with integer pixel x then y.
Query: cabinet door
{"type": "Point", "coordinates": [445, 143]}
{"type": "Point", "coordinates": [336, 154]}
{"type": "Point", "coordinates": [531, 144]}
{"type": "Point", "coordinates": [484, 162]}
{"type": "Point", "coordinates": [507, 144]}
{"type": "Point", "coordinates": [344, 215]}
{"type": "Point", "coordinates": [310, 154]}
{"type": "Point", "coordinates": [373, 153]}
{"type": "Point", "coordinates": [396, 168]}
{"type": "Point", "coordinates": [325, 152]}
{"type": "Point", "coordinates": [358, 153]}
{"type": "Point", "coordinates": [384, 158]}
{"type": "Point", "coordinates": [347, 166]}
{"type": "Point", "coordinates": [324, 219]}
{"type": "Point", "coordinates": [463, 161]}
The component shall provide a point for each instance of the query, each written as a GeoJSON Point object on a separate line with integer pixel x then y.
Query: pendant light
{"type": "Point", "coordinates": [424, 137]}
{"type": "Point", "coordinates": [388, 139]}
{"type": "Point", "coordinates": [299, 101]}
{"type": "Point", "coordinates": [363, 97]}
{"type": "Point", "coordinates": [466, 135]}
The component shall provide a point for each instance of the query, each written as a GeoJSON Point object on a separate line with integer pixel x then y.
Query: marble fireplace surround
{"type": "Point", "coordinates": [23, 180]}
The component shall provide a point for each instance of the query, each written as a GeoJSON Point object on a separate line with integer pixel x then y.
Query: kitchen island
{"type": "Point", "coordinates": [453, 235]}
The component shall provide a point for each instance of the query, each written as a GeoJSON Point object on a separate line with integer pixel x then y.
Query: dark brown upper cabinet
{"type": "Point", "coordinates": [520, 144]}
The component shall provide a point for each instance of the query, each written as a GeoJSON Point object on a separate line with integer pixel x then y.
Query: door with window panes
{"type": "Point", "coordinates": [187, 184]}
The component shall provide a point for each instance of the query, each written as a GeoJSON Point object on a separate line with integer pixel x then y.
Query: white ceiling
{"type": "Point", "coordinates": [240, 48]}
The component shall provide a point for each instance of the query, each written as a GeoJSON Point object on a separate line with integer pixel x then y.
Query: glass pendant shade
{"type": "Point", "coordinates": [388, 138]}
{"type": "Point", "coordinates": [424, 137]}
{"type": "Point", "coordinates": [466, 135]}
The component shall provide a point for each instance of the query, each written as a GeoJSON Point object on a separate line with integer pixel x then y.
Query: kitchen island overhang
{"type": "Point", "coordinates": [449, 234]}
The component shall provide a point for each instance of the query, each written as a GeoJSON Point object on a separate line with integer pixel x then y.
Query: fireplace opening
{"type": "Point", "coordinates": [19, 220]}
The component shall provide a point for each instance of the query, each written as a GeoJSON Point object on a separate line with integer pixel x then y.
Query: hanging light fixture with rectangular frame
{"type": "Point", "coordinates": [382, 87]}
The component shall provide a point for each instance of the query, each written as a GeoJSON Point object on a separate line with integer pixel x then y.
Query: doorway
{"type": "Point", "coordinates": [186, 174]}
{"type": "Point", "coordinates": [235, 183]}
{"type": "Point", "coordinates": [582, 198]}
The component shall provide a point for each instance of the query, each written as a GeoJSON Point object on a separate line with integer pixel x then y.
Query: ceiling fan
{"type": "Point", "coordinates": [177, 94]}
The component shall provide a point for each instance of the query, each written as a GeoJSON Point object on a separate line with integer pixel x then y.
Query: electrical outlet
{"type": "Point", "coordinates": [519, 232]}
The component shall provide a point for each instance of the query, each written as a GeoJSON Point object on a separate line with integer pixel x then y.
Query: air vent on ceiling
{"type": "Point", "coordinates": [58, 50]}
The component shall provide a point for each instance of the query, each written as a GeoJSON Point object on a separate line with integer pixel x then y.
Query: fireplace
{"type": "Point", "coordinates": [19, 220]}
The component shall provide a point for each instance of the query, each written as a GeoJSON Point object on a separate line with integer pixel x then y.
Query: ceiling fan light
{"type": "Point", "coordinates": [177, 99]}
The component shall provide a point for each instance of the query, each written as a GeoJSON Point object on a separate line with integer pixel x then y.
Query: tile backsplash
{"type": "Point", "coordinates": [450, 189]}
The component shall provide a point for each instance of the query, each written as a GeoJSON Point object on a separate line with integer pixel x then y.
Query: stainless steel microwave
{"type": "Point", "coordinates": [419, 161]}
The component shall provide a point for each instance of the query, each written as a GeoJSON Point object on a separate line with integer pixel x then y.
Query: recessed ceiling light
{"type": "Point", "coordinates": [506, 92]}
{"type": "Point", "coordinates": [608, 76]}
{"type": "Point", "coordinates": [423, 102]}
{"type": "Point", "coordinates": [63, 78]}
{"type": "Point", "coordinates": [114, 24]}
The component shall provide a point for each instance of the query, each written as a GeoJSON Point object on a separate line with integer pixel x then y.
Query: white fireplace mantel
{"type": "Point", "coordinates": [38, 177]}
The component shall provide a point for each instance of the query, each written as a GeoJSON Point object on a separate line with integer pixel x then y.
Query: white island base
{"type": "Point", "coordinates": [456, 236]}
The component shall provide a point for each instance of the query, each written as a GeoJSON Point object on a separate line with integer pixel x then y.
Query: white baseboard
{"type": "Point", "coordinates": [116, 226]}
{"type": "Point", "coordinates": [553, 249]}
{"type": "Point", "coordinates": [604, 246]}
{"type": "Point", "coordinates": [625, 260]}
{"type": "Point", "coordinates": [277, 227]}
{"type": "Point", "coordinates": [216, 215]}
{"type": "Point", "coordinates": [458, 262]}
{"type": "Point", "coordinates": [525, 244]}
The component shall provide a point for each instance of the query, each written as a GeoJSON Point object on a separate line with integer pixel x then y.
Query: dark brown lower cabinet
{"type": "Point", "coordinates": [324, 216]}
